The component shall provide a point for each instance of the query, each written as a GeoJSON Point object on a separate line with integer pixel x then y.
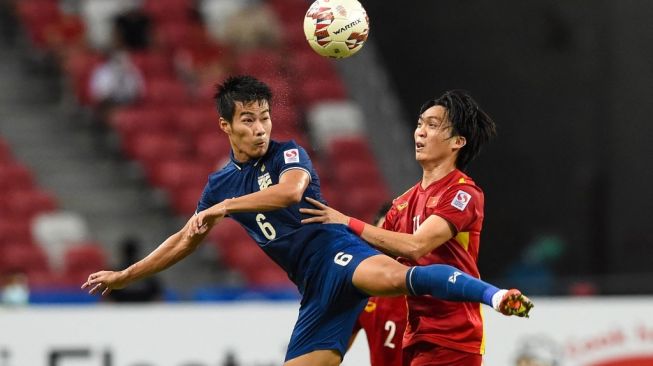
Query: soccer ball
{"type": "Point", "coordinates": [336, 28]}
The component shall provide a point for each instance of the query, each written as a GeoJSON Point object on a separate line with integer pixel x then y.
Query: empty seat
{"type": "Point", "coordinates": [350, 147]}
{"type": "Point", "coordinates": [319, 90]}
{"type": "Point", "coordinates": [22, 257]}
{"type": "Point", "coordinates": [176, 173]}
{"type": "Point", "coordinates": [198, 119]}
{"type": "Point", "coordinates": [165, 91]}
{"type": "Point", "coordinates": [337, 119]}
{"type": "Point", "coordinates": [184, 200]}
{"type": "Point", "coordinates": [83, 259]}
{"type": "Point", "coordinates": [148, 148]}
{"type": "Point", "coordinates": [28, 203]}
{"type": "Point", "coordinates": [262, 63]}
{"type": "Point", "coordinates": [152, 64]}
{"type": "Point", "coordinates": [213, 147]}
{"type": "Point", "coordinates": [141, 119]}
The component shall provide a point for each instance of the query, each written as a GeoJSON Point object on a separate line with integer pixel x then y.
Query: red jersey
{"type": "Point", "coordinates": [384, 322]}
{"type": "Point", "coordinates": [455, 198]}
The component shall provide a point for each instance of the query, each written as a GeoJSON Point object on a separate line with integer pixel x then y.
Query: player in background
{"type": "Point", "coordinates": [262, 187]}
{"type": "Point", "coordinates": [438, 220]}
{"type": "Point", "coordinates": [383, 320]}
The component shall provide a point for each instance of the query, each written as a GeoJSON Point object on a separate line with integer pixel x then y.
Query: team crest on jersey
{"type": "Point", "coordinates": [460, 200]}
{"type": "Point", "coordinates": [402, 205]}
{"type": "Point", "coordinates": [262, 168]}
{"type": "Point", "coordinates": [291, 156]}
{"type": "Point", "coordinates": [264, 181]}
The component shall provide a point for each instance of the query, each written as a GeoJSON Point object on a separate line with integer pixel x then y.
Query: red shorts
{"type": "Point", "coordinates": [429, 354]}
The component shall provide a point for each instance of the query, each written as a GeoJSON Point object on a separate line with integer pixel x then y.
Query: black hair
{"type": "Point", "coordinates": [242, 88]}
{"type": "Point", "coordinates": [383, 210]}
{"type": "Point", "coordinates": [467, 120]}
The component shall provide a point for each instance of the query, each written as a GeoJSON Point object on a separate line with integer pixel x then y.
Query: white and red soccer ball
{"type": "Point", "coordinates": [336, 28]}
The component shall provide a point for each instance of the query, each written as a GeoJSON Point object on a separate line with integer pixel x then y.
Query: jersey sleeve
{"type": "Point", "coordinates": [292, 156]}
{"type": "Point", "coordinates": [390, 218]}
{"type": "Point", "coordinates": [460, 205]}
{"type": "Point", "coordinates": [206, 199]}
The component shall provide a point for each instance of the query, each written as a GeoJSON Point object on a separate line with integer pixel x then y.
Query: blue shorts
{"type": "Point", "coordinates": [330, 303]}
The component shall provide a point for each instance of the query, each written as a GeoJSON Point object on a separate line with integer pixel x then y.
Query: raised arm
{"type": "Point", "coordinates": [171, 251]}
{"type": "Point", "coordinates": [433, 232]}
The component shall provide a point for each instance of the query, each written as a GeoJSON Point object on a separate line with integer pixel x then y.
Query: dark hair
{"type": "Point", "coordinates": [244, 89]}
{"type": "Point", "coordinates": [383, 210]}
{"type": "Point", "coordinates": [468, 120]}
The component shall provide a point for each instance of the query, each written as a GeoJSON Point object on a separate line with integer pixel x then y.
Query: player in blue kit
{"type": "Point", "coordinates": [262, 188]}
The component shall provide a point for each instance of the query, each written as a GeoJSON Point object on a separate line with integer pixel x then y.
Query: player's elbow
{"type": "Point", "coordinates": [416, 250]}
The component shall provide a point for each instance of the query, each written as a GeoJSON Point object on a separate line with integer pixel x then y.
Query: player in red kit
{"type": "Point", "coordinates": [383, 320]}
{"type": "Point", "coordinates": [439, 220]}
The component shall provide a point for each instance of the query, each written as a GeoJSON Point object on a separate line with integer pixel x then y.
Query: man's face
{"type": "Point", "coordinates": [249, 130]}
{"type": "Point", "coordinates": [433, 140]}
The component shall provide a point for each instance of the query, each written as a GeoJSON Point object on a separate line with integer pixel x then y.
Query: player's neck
{"type": "Point", "coordinates": [433, 173]}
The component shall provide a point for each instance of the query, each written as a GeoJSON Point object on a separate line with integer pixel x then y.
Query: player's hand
{"type": "Point", "coordinates": [323, 214]}
{"type": "Point", "coordinates": [104, 282]}
{"type": "Point", "coordinates": [202, 221]}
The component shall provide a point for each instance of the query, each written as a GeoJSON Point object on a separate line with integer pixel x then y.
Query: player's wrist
{"type": "Point", "coordinates": [356, 225]}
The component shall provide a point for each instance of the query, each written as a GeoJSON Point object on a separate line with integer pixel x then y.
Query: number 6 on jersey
{"type": "Point", "coordinates": [266, 228]}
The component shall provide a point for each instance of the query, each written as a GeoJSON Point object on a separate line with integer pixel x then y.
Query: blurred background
{"type": "Point", "coordinates": [108, 132]}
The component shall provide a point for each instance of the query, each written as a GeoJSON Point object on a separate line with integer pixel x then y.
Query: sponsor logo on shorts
{"type": "Point", "coordinates": [453, 277]}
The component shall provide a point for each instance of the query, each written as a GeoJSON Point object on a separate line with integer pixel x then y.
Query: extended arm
{"type": "Point", "coordinates": [433, 232]}
{"type": "Point", "coordinates": [171, 251]}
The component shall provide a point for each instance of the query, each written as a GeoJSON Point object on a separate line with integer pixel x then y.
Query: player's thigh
{"type": "Point", "coordinates": [429, 354]}
{"type": "Point", "coordinates": [316, 358]}
{"type": "Point", "coordinates": [381, 275]}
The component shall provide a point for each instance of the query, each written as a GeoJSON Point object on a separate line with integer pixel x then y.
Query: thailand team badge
{"type": "Point", "coordinates": [291, 156]}
{"type": "Point", "coordinates": [460, 200]}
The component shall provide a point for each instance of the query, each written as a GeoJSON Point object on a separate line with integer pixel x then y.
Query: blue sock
{"type": "Point", "coordinates": [448, 283]}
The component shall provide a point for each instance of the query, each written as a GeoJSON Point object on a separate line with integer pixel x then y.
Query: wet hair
{"type": "Point", "coordinates": [244, 89]}
{"type": "Point", "coordinates": [467, 120]}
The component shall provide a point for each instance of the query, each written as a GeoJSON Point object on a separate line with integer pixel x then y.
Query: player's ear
{"type": "Point", "coordinates": [225, 126]}
{"type": "Point", "coordinates": [459, 141]}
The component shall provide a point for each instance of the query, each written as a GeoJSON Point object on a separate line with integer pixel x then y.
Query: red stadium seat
{"type": "Point", "coordinates": [15, 176]}
{"type": "Point", "coordinates": [36, 16]}
{"type": "Point", "coordinates": [262, 63]}
{"type": "Point", "coordinates": [152, 64]}
{"type": "Point", "coordinates": [347, 148]}
{"type": "Point", "coordinates": [78, 68]}
{"type": "Point", "coordinates": [14, 230]}
{"type": "Point", "coordinates": [168, 10]}
{"type": "Point", "coordinates": [165, 91]}
{"type": "Point", "coordinates": [23, 257]}
{"type": "Point", "coordinates": [268, 276]}
{"type": "Point", "coordinates": [356, 172]}
{"type": "Point", "coordinates": [173, 35]}
{"type": "Point", "coordinates": [82, 260]}
{"type": "Point", "coordinates": [198, 120]}
{"type": "Point", "coordinates": [364, 201]}
{"type": "Point", "coordinates": [5, 153]}
{"type": "Point", "coordinates": [184, 200]}
{"type": "Point", "coordinates": [177, 173]}
{"type": "Point", "coordinates": [228, 231]}
{"type": "Point", "coordinates": [141, 119]}
{"type": "Point", "coordinates": [213, 147]}
{"type": "Point", "coordinates": [148, 148]}
{"type": "Point", "coordinates": [306, 64]}
{"type": "Point", "coordinates": [318, 90]}
{"type": "Point", "coordinates": [27, 203]}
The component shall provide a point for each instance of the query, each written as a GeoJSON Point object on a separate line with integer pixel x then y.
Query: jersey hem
{"type": "Point", "coordinates": [444, 343]}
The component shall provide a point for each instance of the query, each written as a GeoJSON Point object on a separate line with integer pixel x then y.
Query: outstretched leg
{"type": "Point", "coordinates": [383, 276]}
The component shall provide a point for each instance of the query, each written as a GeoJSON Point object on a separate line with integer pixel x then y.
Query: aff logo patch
{"type": "Point", "coordinates": [460, 200]}
{"type": "Point", "coordinates": [264, 181]}
{"type": "Point", "coordinates": [291, 156]}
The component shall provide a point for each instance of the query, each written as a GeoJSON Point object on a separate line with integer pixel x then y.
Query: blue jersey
{"type": "Point", "coordinates": [279, 233]}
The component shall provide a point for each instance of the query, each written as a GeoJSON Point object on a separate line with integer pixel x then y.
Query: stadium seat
{"type": "Point", "coordinates": [330, 120]}
{"type": "Point", "coordinates": [268, 276]}
{"type": "Point", "coordinates": [174, 174]}
{"type": "Point", "coordinates": [351, 172]}
{"type": "Point", "coordinates": [319, 90]}
{"type": "Point", "coordinates": [14, 230]}
{"type": "Point", "coordinates": [351, 147]}
{"type": "Point", "coordinates": [228, 231]}
{"type": "Point", "coordinates": [36, 15]}
{"type": "Point", "coordinates": [184, 200]}
{"type": "Point", "coordinates": [165, 91]}
{"type": "Point", "coordinates": [148, 148]}
{"type": "Point", "coordinates": [141, 119]}
{"type": "Point", "coordinates": [152, 64]}
{"type": "Point", "coordinates": [198, 120]}
{"type": "Point", "coordinates": [168, 10]}
{"type": "Point", "coordinates": [5, 153]}
{"type": "Point", "coordinates": [81, 260]}
{"type": "Point", "coordinates": [23, 257]}
{"type": "Point", "coordinates": [262, 63]}
{"type": "Point", "coordinates": [213, 147]}
{"type": "Point", "coordinates": [78, 68]}
{"type": "Point", "coordinates": [28, 202]}
{"type": "Point", "coordinates": [15, 176]}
